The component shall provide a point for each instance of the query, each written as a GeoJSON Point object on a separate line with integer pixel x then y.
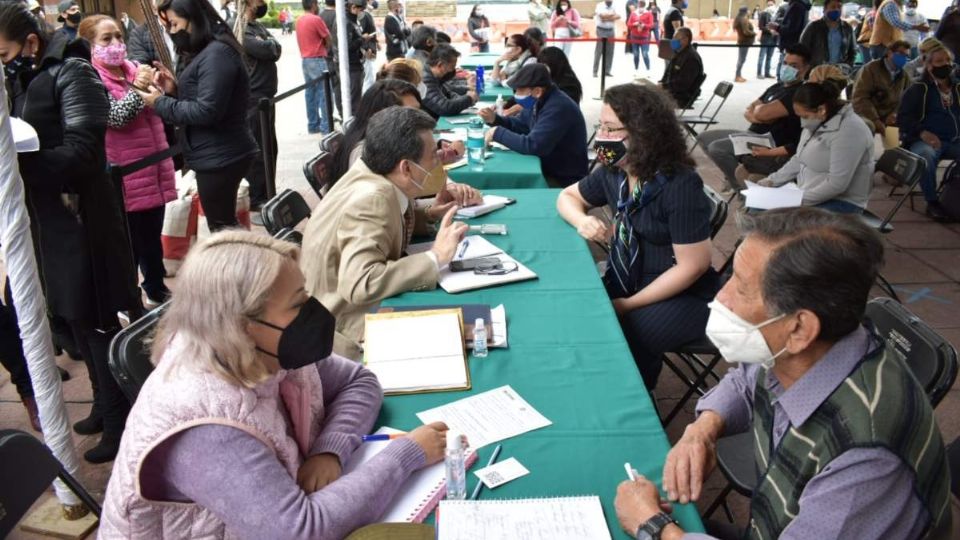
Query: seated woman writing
{"type": "Point", "coordinates": [658, 274]}
{"type": "Point", "coordinates": [834, 160]}
{"type": "Point", "coordinates": [245, 425]}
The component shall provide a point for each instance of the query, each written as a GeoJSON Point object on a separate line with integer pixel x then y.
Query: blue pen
{"type": "Point", "coordinates": [463, 248]}
{"type": "Point", "coordinates": [493, 459]}
{"type": "Point", "coordinates": [382, 437]}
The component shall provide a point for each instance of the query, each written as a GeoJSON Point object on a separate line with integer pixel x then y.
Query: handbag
{"type": "Point", "coordinates": [575, 31]}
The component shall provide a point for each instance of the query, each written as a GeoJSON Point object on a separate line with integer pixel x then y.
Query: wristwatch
{"type": "Point", "coordinates": [654, 526]}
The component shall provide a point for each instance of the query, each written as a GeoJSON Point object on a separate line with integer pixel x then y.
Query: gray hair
{"type": "Point", "coordinates": [821, 261]}
{"type": "Point", "coordinates": [393, 135]}
{"type": "Point", "coordinates": [420, 36]}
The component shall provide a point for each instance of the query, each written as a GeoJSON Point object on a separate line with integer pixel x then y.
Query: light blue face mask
{"type": "Point", "coordinates": [788, 74]}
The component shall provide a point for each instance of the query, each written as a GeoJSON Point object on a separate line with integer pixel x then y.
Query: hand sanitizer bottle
{"type": "Point", "coordinates": [455, 467]}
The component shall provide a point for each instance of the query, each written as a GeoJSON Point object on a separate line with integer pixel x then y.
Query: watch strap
{"type": "Point", "coordinates": [655, 525]}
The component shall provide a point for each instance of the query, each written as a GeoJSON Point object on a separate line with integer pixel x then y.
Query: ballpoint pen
{"type": "Point", "coordinates": [463, 248]}
{"type": "Point", "coordinates": [493, 459]}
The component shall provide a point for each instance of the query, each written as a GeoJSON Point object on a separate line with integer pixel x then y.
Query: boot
{"type": "Point", "coordinates": [92, 424]}
{"type": "Point", "coordinates": [106, 450]}
{"type": "Point", "coordinates": [30, 405]}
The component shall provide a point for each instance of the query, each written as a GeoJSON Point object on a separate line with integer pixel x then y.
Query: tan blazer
{"type": "Point", "coordinates": [352, 253]}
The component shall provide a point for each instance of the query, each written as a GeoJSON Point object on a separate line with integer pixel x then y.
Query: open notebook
{"type": "Point", "coordinates": [531, 519]}
{"type": "Point", "coordinates": [473, 247]}
{"type": "Point", "coordinates": [419, 495]}
{"type": "Point", "coordinates": [417, 351]}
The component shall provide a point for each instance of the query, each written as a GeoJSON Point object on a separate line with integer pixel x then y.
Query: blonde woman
{"type": "Point", "coordinates": [404, 69]}
{"type": "Point", "coordinates": [247, 421]}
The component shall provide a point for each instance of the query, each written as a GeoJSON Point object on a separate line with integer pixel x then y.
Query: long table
{"type": "Point", "coordinates": [567, 358]}
{"type": "Point", "coordinates": [471, 61]}
{"type": "Point", "coordinates": [504, 169]}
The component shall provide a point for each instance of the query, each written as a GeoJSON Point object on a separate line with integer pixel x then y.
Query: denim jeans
{"type": "Point", "coordinates": [741, 59]}
{"type": "Point", "coordinates": [763, 63]}
{"type": "Point", "coordinates": [947, 150]}
{"type": "Point", "coordinates": [840, 207]}
{"type": "Point", "coordinates": [639, 50]}
{"type": "Point", "coordinates": [315, 95]}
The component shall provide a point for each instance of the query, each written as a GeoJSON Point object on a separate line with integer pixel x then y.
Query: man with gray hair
{"type": "Point", "coordinates": [846, 443]}
{"type": "Point", "coordinates": [354, 244]}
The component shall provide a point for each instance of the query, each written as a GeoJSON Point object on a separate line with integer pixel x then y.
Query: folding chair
{"type": "Point", "coordinates": [949, 170]}
{"type": "Point", "coordinates": [706, 118]}
{"type": "Point", "coordinates": [688, 106]}
{"type": "Point", "coordinates": [129, 358]}
{"type": "Point", "coordinates": [906, 169]}
{"type": "Point", "coordinates": [330, 143]}
{"type": "Point", "coordinates": [930, 357]}
{"type": "Point", "coordinates": [28, 468]}
{"type": "Point", "coordinates": [700, 356]}
{"type": "Point", "coordinates": [317, 171]}
{"type": "Point", "coordinates": [284, 211]}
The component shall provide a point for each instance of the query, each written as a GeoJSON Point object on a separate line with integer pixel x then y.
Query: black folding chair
{"type": "Point", "coordinates": [953, 459]}
{"type": "Point", "coordinates": [129, 358]}
{"type": "Point", "coordinates": [284, 211]}
{"type": "Point", "coordinates": [331, 142]}
{"type": "Point", "coordinates": [28, 468]}
{"type": "Point", "coordinates": [911, 192]}
{"type": "Point", "coordinates": [317, 170]}
{"type": "Point", "coordinates": [700, 356]}
{"type": "Point", "coordinates": [706, 117]}
{"type": "Point", "coordinates": [906, 169]}
{"type": "Point", "coordinates": [930, 357]}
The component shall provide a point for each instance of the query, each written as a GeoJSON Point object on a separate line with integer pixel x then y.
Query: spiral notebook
{"type": "Point", "coordinates": [555, 518]}
{"type": "Point", "coordinates": [419, 495]}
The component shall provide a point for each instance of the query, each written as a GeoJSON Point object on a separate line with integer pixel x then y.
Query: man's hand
{"type": "Point", "coordinates": [766, 182]}
{"type": "Point", "coordinates": [432, 438]}
{"type": "Point", "coordinates": [692, 459]}
{"type": "Point", "coordinates": [474, 97]}
{"type": "Point", "coordinates": [922, 27]}
{"type": "Point", "coordinates": [451, 152]}
{"type": "Point", "coordinates": [891, 119]}
{"type": "Point", "coordinates": [448, 237]}
{"type": "Point", "coordinates": [488, 137]}
{"type": "Point", "coordinates": [592, 228]}
{"type": "Point", "coordinates": [637, 502]}
{"type": "Point", "coordinates": [318, 471]}
{"type": "Point", "coordinates": [930, 139]}
{"type": "Point", "coordinates": [762, 152]}
{"type": "Point", "coordinates": [460, 195]}
{"type": "Point", "coordinates": [488, 115]}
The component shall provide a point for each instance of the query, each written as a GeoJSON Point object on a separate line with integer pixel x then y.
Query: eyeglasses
{"type": "Point", "coordinates": [498, 268]}
{"type": "Point", "coordinates": [602, 128]}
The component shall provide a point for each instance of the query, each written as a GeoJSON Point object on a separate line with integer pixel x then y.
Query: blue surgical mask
{"type": "Point", "coordinates": [527, 101]}
{"type": "Point", "coordinates": [900, 60]}
{"type": "Point", "coordinates": [675, 44]}
{"type": "Point", "coordinates": [684, 5]}
{"type": "Point", "coordinates": [833, 15]}
{"type": "Point", "coordinates": [788, 74]}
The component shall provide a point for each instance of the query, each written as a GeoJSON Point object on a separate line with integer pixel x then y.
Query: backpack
{"type": "Point", "coordinates": [950, 191]}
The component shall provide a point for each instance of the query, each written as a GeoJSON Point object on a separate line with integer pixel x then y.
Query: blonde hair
{"type": "Point", "coordinates": [223, 283]}
{"type": "Point", "coordinates": [826, 72]}
{"type": "Point", "coordinates": [404, 69]}
{"type": "Point", "coordinates": [933, 45]}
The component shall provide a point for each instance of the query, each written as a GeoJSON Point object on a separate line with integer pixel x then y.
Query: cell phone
{"type": "Point", "coordinates": [465, 265]}
{"type": "Point", "coordinates": [510, 201]}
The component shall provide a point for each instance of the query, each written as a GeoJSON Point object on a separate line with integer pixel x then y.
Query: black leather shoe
{"type": "Point", "coordinates": [90, 425]}
{"type": "Point", "coordinates": [936, 213]}
{"type": "Point", "coordinates": [103, 452]}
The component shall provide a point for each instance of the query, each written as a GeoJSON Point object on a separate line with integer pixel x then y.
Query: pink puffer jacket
{"type": "Point", "coordinates": [152, 186]}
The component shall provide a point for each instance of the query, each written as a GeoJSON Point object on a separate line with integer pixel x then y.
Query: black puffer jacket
{"type": "Point", "coordinates": [440, 99]}
{"type": "Point", "coordinates": [78, 227]}
{"type": "Point", "coordinates": [140, 46]}
{"type": "Point", "coordinates": [211, 105]}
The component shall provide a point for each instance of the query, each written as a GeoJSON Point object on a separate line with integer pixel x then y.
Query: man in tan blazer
{"type": "Point", "coordinates": [353, 245]}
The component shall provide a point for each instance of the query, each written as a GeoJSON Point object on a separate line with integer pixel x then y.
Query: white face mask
{"type": "Point", "coordinates": [738, 340]}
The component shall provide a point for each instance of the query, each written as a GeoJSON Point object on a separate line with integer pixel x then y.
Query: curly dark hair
{"type": "Point", "coordinates": [657, 142]}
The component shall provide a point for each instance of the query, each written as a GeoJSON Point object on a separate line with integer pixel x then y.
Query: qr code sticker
{"type": "Point", "coordinates": [493, 479]}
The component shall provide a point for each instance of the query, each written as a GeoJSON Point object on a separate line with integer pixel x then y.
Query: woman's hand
{"type": "Point", "coordinates": [592, 228]}
{"type": "Point", "coordinates": [144, 77]}
{"type": "Point", "coordinates": [432, 438]}
{"type": "Point", "coordinates": [766, 182]}
{"type": "Point", "coordinates": [164, 79]}
{"type": "Point", "coordinates": [150, 96]}
{"type": "Point", "coordinates": [318, 471]}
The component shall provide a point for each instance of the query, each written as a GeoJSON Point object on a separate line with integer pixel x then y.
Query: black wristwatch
{"type": "Point", "coordinates": [654, 526]}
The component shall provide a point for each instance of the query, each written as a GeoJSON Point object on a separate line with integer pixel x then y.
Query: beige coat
{"type": "Point", "coordinates": [352, 252]}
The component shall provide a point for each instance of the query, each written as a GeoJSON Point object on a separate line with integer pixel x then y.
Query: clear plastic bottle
{"type": "Point", "coordinates": [479, 339]}
{"type": "Point", "coordinates": [476, 144]}
{"type": "Point", "coordinates": [455, 467]}
{"type": "Point", "coordinates": [499, 105]}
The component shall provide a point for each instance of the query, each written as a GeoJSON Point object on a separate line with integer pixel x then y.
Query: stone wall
{"type": "Point", "coordinates": [421, 9]}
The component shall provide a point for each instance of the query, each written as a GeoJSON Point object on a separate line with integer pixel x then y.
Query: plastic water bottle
{"type": "Point", "coordinates": [479, 339]}
{"type": "Point", "coordinates": [480, 81]}
{"type": "Point", "coordinates": [455, 466]}
{"type": "Point", "coordinates": [499, 105]}
{"type": "Point", "coordinates": [475, 144]}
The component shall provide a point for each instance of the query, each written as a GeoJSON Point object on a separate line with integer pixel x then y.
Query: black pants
{"type": "Point", "coordinates": [145, 229]}
{"type": "Point", "coordinates": [334, 68]}
{"type": "Point", "coordinates": [108, 400]}
{"type": "Point", "coordinates": [11, 348]}
{"type": "Point", "coordinates": [356, 87]}
{"type": "Point", "coordinates": [218, 193]}
{"type": "Point", "coordinates": [257, 176]}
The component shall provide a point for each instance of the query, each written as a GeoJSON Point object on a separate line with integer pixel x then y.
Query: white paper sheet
{"type": "Point", "coordinates": [500, 473]}
{"type": "Point", "coordinates": [488, 417]}
{"type": "Point", "coordinates": [490, 203]}
{"type": "Point", "coordinates": [476, 246]}
{"type": "Point", "coordinates": [498, 320]}
{"type": "Point", "coordinates": [566, 518]}
{"type": "Point", "coordinates": [742, 143]}
{"type": "Point", "coordinates": [768, 198]}
{"type": "Point", "coordinates": [24, 136]}
{"type": "Point", "coordinates": [416, 353]}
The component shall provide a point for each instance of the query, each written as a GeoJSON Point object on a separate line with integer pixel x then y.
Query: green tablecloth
{"type": "Point", "coordinates": [567, 358]}
{"type": "Point", "coordinates": [491, 91]}
{"type": "Point", "coordinates": [486, 60]}
{"type": "Point", "coordinates": [503, 170]}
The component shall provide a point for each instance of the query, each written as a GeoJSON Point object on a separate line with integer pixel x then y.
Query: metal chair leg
{"type": "Point", "coordinates": [887, 287]}
{"type": "Point", "coordinates": [80, 492]}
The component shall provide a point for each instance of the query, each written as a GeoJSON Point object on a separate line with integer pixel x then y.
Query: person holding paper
{"type": "Point", "coordinates": [659, 275]}
{"type": "Point", "coordinates": [834, 160]}
{"type": "Point", "coordinates": [841, 455]}
{"type": "Point", "coordinates": [354, 243]}
{"type": "Point", "coordinates": [245, 425]}
{"type": "Point", "coordinates": [771, 113]}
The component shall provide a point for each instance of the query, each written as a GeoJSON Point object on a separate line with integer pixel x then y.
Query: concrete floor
{"type": "Point", "coordinates": [923, 257]}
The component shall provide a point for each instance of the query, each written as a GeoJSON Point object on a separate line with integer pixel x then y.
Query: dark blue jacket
{"type": "Point", "coordinates": [921, 110]}
{"type": "Point", "coordinates": [794, 21]}
{"type": "Point", "coordinates": [555, 132]}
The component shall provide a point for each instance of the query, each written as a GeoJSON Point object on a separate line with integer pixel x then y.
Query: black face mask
{"type": "Point", "coordinates": [307, 339]}
{"type": "Point", "coordinates": [610, 153]}
{"type": "Point", "coordinates": [942, 72]}
{"type": "Point", "coordinates": [260, 12]}
{"type": "Point", "coordinates": [181, 40]}
{"type": "Point", "coordinates": [75, 17]}
{"type": "Point", "coordinates": [15, 67]}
